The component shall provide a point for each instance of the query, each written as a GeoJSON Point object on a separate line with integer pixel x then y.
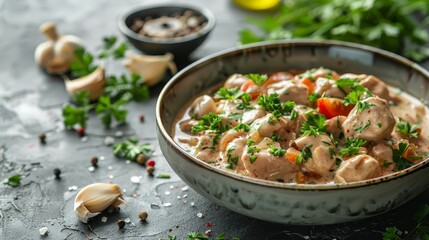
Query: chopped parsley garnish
{"type": "Point", "coordinates": [312, 98]}
{"type": "Point", "coordinates": [363, 105]}
{"type": "Point", "coordinates": [258, 79]}
{"type": "Point", "coordinates": [347, 82]}
{"type": "Point", "coordinates": [380, 125]}
{"type": "Point", "coordinates": [196, 236]}
{"type": "Point", "coordinates": [210, 121]}
{"type": "Point", "coordinates": [272, 104]}
{"type": "Point", "coordinates": [314, 125]}
{"type": "Point", "coordinates": [408, 130]}
{"type": "Point", "coordinates": [398, 156]}
{"type": "Point", "coordinates": [305, 155]}
{"type": "Point", "coordinates": [228, 93]}
{"type": "Point", "coordinates": [14, 181]}
{"type": "Point", "coordinates": [352, 147]}
{"type": "Point", "coordinates": [252, 158]}
{"type": "Point", "coordinates": [275, 137]}
{"type": "Point", "coordinates": [361, 128]}
{"type": "Point", "coordinates": [245, 102]}
{"type": "Point", "coordinates": [278, 152]}
{"type": "Point", "coordinates": [232, 160]}
{"type": "Point", "coordinates": [252, 151]}
{"type": "Point", "coordinates": [353, 98]}
{"type": "Point", "coordinates": [242, 126]}
{"type": "Point", "coordinates": [249, 142]}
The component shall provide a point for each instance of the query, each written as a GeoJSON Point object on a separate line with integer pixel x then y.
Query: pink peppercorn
{"type": "Point", "coordinates": [150, 163]}
{"type": "Point", "coordinates": [81, 131]}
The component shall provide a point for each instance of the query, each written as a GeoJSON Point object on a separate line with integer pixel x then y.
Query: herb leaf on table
{"type": "Point", "coordinates": [130, 149]}
{"type": "Point", "coordinates": [83, 63]}
{"type": "Point", "coordinates": [421, 229]}
{"type": "Point", "coordinates": [108, 48]}
{"type": "Point", "coordinates": [109, 111]}
{"type": "Point", "coordinates": [385, 24]}
{"type": "Point", "coordinates": [116, 87]}
{"type": "Point", "coordinates": [77, 114]}
{"type": "Point", "coordinates": [14, 181]}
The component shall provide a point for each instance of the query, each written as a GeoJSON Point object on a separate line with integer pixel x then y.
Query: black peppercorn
{"type": "Point", "coordinates": [42, 138]}
{"type": "Point", "coordinates": [94, 162]}
{"type": "Point", "coordinates": [121, 224]}
{"type": "Point", "coordinates": [57, 173]}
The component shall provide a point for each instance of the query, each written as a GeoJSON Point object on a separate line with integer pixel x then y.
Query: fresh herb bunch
{"type": "Point", "coordinates": [408, 130]}
{"type": "Point", "coordinates": [315, 125]}
{"type": "Point", "coordinates": [210, 121]}
{"type": "Point", "coordinates": [14, 181]}
{"type": "Point", "coordinates": [258, 79]}
{"type": "Point", "coordinates": [352, 146]}
{"type": "Point", "coordinates": [272, 104]}
{"type": "Point", "coordinates": [421, 229]}
{"type": "Point", "coordinates": [83, 63]}
{"type": "Point", "coordinates": [116, 87]}
{"type": "Point", "coordinates": [130, 149]}
{"type": "Point", "coordinates": [77, 114]}
{"type": "Point", "coordinates": [387, 24]}
{"type": "Point", "coordinates": [109, 111]}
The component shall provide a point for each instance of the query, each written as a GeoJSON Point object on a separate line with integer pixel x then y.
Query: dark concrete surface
{"type": "Point", "coordinates": [30, 103]}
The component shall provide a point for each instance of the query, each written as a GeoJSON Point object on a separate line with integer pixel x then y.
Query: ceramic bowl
{"type": "Point", "coordinates": [179, 47]}
{"type": "Point", "coordinates": [284, 202]}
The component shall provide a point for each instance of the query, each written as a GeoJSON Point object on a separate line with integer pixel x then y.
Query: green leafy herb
{"type": "Point", "coordinates": [352, 98]}
{"type": "Point", "coordinates": [305, 154]}
{"type": "Point", "coordinates": [83, 63]}
{"type": "Point", "coordinates": [245, 102]}
{"type": "Point", "coordinates": [272, 104]}
{"type": "Point", "coordinates": [242, 126]}
{"type": "Point", "coordinates": [421, 229]}
{"type": "Point", "coordinates": [232, 160]}
{"type": "Point", "coordinates": [109, 111]}
{"type": "Point", "coordinates": [312, 98]}
{"type": "Point", "coordinates": [210, 121]}
{"type": "Point", "coordinates": [258, 79]}
{"type": "Point", "coordinates": [116, 87]}
{"type": "Point", "coordinates": [130, 149]}
{"type": "Point", "coordinates": [357, 21]}
{"type": "Point", "coordinates": [252, 158]}
{"type": "Point", "coordinates": [275, 137]}
{"type": "Point", "coordinates": [228, 93]}
{"type": "Point", "coordinates": [278, 152]}
{"type": "Point", "coordinates": [363, 105]}
{"type": "Point", "coordinates": [163, 176]}
{"type": "Point", "coordinates": [172, 237]}
{"type": "Point", "coordinates": [108, 48]}
{"type": "Point", "coordinates": [361, 128]}
{"type": "Point", "coordinates": [347, 82]}
{"type": "Point", "coordinates": [352, 147]}
{"type": "Point", "coordinates": [196, 236]}
{"type": "Point", "coordinates": [398, 156]}
{"type": "Point", "coordinates": [14, 181]}
{"type": "Point", "coordinates": [220, 236]}
{"type": "Point", "coordinates": [73, 115]}
{"type": "Point", "coordinates": [315, 125]}
{"type": "Point", "coordinates": [408, 130]}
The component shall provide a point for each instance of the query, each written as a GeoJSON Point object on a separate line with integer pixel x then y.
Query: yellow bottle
{"type": "Point", "coordinates": [257, 4]}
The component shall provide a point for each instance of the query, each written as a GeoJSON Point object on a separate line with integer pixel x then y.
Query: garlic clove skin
{"type": "Point", "coordinates": [150, 68]}
{"type": "Point", "coordinates": [94, 198]}
{"type": "Point", "coordinates": [93, 83]}
{"type": "Point", "coordinates": [56, 54]}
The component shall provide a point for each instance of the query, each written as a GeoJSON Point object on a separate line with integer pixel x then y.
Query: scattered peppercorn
{"type": "Point", "coordinates": [150, 163]}
{"type": "Point", "coordinates": [121, 224]}
{"type": "Point", "coordinates": [141, 159]}
{"type": "Point", "coordinates": [112, 209]}
{"type": "Point", "coordinates": [141, 118]}
{"type": "Point", "coordinates": [143, 215]}
{"type": "Point", "coordinates": [81, 131]}
{"type": "Point", "coordinates": [150, 170]}
{"type": "Point", "coordinates": [94, 161]}
{"type": "Point", "coordinates": [42, 138]}
{"type": "Point", "coordinates": [57, 173]}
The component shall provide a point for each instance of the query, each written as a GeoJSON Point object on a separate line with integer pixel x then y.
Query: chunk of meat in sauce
{"type": "Point", "coordinates": [251, 115]}
{"type": "Point", "coordinates": [267, 125]}
{"type": "Point", "coordinates": [289, 91]}
{"type": "Point", "coordinates": [205, 150]}
{"type": "Point", "coordinates": [371, 124]}
{"type": "Point", "coordinates": [358, 168]}
{"type": "Point", "coordinates": [376, 87]}
{"type": "Point", "coordinates": [186, 125]}
{"type": "Point", "coordinates": [334, 127]}
{"type": "Point", "coordinates": [202, 106]}
{"type": "Point", "coordinates": [322, 151]}
{"type": "Point", "coordinates": [234, 151]}
{"type": "Point", "coordinates": [266, 165]}
{"type": "Point", "coordinates": [328, 88]}
{"type": "Point", "coordinates": [235, 81]}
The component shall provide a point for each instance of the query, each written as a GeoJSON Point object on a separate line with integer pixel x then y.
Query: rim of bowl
{"type": "Point", "coordinates": [261, 182]}
{"type": "Point", "coordinates": [211, 22]}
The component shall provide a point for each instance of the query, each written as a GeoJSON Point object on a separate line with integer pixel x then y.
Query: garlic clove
{"type": "Point", "coordinates": [94, 198]}
{"type": "Point", "coordinates": [93, 83]}
{"type": "Point", "coordinates": [150, 68]}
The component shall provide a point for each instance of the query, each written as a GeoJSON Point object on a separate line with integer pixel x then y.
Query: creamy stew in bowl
{"type": "Point", "coordinates": [313, 127]}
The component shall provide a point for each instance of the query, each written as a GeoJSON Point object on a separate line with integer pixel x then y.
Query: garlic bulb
{"type": "Point", "coordinates": [56, 54]}
{"type": "Point", "coordinates": [150, 68]}
{"type": "Point", "coordinates": [92, 83]}
{"type": "Point", "coordinates": [94, 198]}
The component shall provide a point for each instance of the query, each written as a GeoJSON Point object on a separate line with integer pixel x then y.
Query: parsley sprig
{"type": "Point", "coordinates": [130, 149]}
{"type": "Point", "coordinates": [77, 114]}
{"type": "Point", "coordinates": [315, 125]}
{"type": "Point", "coordinates": [421, 229]}
{"type": "Point", "coordinates": [111, 110]}
{"type": "Point", "coordinates": [212, 122]}
{"type": "Point", "coordinates": [13, 181]}
{"type": "Point", "coordinates": [352, 147]}
{"type": "Point", "coordinates": [278, 152]}
{"type": "Point", "coordinates": [398, 156]}
{"type": "Point", "coordinates": [83, 63]}
{"type": "Point", "coordinates": [272, 104]}
{"type": "Point", "coordinates": [110, 48]}
{"type": "Point", "coordinates": [245, 102]}
{"type": "Point", "coordinates": [116, 87]}
{"type": "Point", "coordinates": [305, 155]}
{"type": "Point", "coordinates": [258, 79]}
{"type": "Point", "coordinates": [228, 93]}
{"type": "Point", "coordinates": [407, 129]}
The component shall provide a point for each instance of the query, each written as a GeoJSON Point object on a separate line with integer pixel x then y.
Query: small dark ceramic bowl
{"type": "Point", "coordinates": [180, 47]}
{"type": "Point", "coordinates": [288, 202]}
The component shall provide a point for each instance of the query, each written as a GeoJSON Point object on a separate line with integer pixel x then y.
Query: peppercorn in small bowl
{"type": "Point", "coordinates": [175, 28]}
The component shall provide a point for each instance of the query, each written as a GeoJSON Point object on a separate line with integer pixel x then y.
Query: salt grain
{"type": "Point", "coordinates": [108, 141]}
{"type": "Point", "coordinates": [185, 188]}
{"type": "Point", "coordinates": [104, 219]}
{"type": "Point", "coordinates": [127, 220]}
{"type": "Point", "coordinates": [178, 197]}
{"type": "Point", "coordinates": [110, 167]}
{"type": "Point", "coordinates": [111, 176]}
{"type": "Point", "coordinates": [43, 231]}
{"type": "Point", "coordinates": [167, 193]}
{"type": "Point", "coordinates": [128, 162]}
{"type": "Point", "coordinates": [200, 215]}
{"type": "Point", "coordinates": [119, 134]}
{"type": "Point", "coordinates": [102, 158]}
{"type": "Point", "coordinates": [167, 204]}
{"type": "Point", "coordinates": [171, 186]}
{"type": "Point", "coordinates": [84, 139]}
{"type": "Point", "coordinates": [91, 169]}
{"type": "Point", "coordinates": [135, 179]}
{"type": "Point", "coordinates": [185, 196]}
{"type": "Point", "coordinates": [184, 201]}
{"type": "Point", "coordinates": [72, 188]}
{"type": "Point", "coordinates": [192, 204]}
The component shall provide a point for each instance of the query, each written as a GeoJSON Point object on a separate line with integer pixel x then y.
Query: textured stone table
{"type": "Point", "coordinates": [30, 103]}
